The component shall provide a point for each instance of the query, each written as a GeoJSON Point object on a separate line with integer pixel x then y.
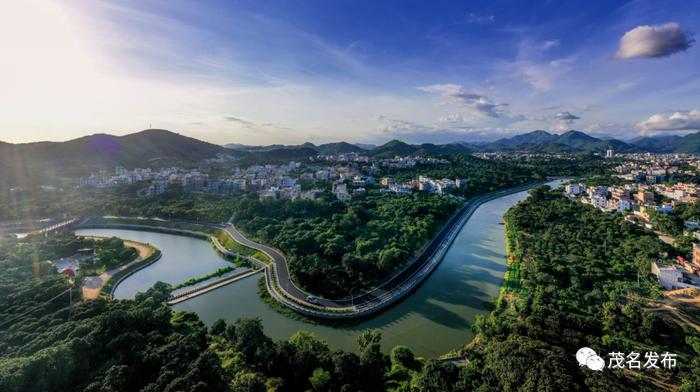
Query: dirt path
{"type": "Point", "coordinates": [144, 250]}
{"type": "Point", "coordinates": [677, 303]}
{"type": "Point", "coordinates": [93, 284]}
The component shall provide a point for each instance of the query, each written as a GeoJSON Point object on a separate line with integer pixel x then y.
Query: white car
{"type": "Point", "coordinates": [312, 299]}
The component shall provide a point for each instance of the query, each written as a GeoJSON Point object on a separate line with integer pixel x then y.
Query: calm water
{"type": "Point", "coordinates": [183, 258]}
{"type": "Point", "coordinates": [435, 319]}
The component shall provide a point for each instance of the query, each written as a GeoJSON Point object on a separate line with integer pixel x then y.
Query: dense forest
{"type": "Point", "coordinates": [31, 254]}
{"type": "Point", "coordinates": [672, 222]}
{"type": "Point", "coordinates": [577, 278]}
{"type": "Point", "coordinates": [336, 248]}
{"type": "Point", "coordinates": [68, 202]}
{"type": "Point", "coordinates": [333, 247]}
{"type": "Point", "coordinates": [142, 345]}
{"type": "Point", "coordinates": [485, 176]}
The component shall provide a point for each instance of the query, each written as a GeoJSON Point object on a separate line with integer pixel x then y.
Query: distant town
{"type": "Point", "coordinates": [647, 191]}
{"type": "Point", "coordinates": [346, 175]}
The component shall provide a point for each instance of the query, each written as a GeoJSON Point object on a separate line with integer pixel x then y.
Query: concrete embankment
{"type": "Point", "coordinates": [393, 289]}
{"type": "Point", "coordinates": [203, 289]}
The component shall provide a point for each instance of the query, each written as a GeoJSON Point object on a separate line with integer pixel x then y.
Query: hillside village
{"type": "Point", "coordinates": [641, 203]}
{"type": "Point", "coordinates": [346, 175]}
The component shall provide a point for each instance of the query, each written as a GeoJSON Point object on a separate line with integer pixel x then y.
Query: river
{"type": "Point", "coordinates": [433, 320]}
{"type": "Point", "coordinates": [183, 258]}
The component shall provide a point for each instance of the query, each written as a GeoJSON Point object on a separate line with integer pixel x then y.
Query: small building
{"type": "Point", "coordinates": [343, 196]}
{"type": "Point", "coordinates": [573, 189]}
{"type": "Point", "coordinates": [645, 197]}
{"type": "Point", "coordinates": [358, 192]}
{"type": "Point", "coordinates": [599, 201]}
{"type": "Point", "coordinates": [672, 277]}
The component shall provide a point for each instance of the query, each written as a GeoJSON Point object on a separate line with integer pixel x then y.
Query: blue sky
{"type": "Point", "coordinates": [259, 72]}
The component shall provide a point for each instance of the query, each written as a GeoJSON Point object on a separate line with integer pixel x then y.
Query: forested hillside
{"type": "Point", "coordinates": [333, 247]}
{"type": "Point", "coordinates": [577, 277]}
{"type": "Point", "coordinates": [47, 345]}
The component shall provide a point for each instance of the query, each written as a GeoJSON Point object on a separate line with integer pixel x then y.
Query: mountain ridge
{"type": "Point", "coordinates": [30, 162]}
{"type": "Point", "coordinates": [87, 154]}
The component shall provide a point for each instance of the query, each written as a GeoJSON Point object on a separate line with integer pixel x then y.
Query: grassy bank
{"type": "Point", "coordinates": [202, 278]}
{"type": "Point", "coordinates": [108, 288]}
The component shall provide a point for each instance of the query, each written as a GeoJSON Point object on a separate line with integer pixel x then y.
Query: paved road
{"type": "Point", "coordinates": [406, 277]}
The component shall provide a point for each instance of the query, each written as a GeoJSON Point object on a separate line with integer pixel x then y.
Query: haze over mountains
{"type": "Point", "coordinates": [41, 160]}
{"type": "Point", "coordinates": [535, 141]}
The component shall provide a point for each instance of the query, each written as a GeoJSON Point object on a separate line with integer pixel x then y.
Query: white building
{"type": "Point", "coordinates": [573, 189]}
{"type": "Point", "coordinates": [623, 205]}
{"type": "Point", "coordinates": [671, 277]}
{"type": "Point", "coordinates": [597, 191]}
{"type": "Point", "coordinates": [599, 201]}
{"type": "Point", "coordinates": [239, 184]}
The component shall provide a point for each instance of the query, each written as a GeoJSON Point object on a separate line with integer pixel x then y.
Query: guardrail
{"type": "Point", "coordinates": [53, 227]}
{"type": "Point", "coordinates": [374, 305]}
{"type": "Point", "coordinates": [408, 285]}
{"type": "Point", "coordinates": [167, 230]}
{"type": "Point", "coordinates": [207, 287]}
{"type": "Point", "coordinates": [157, 229]}
{"type": "Point", "coordinates": [138, 267]}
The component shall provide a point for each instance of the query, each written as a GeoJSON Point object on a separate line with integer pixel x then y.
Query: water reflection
{"type": "Point", "coordinates": [435, 319]}
{"type": "Point", "coordinates": [183, 258]}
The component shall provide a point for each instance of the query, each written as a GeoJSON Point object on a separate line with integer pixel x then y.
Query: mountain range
{"type": "Point", "coordinates": [326, 149]}
{"type": "Point", "coordinates": [571, 142]}
{"type": "Point", "coordinates": [28, 163]}
{"type": "Point", "coordinates": [34, 162]}
{"type": "Point", "coordinates": [535, 141]}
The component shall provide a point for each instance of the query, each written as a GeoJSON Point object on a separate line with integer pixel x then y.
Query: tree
{"type": "Point", "coordinates": [218, 328]}
{"type": "Point", "coordinates": [320, 379]}
{"type": "Point", "coordinates": [248, 382]}
{"type": "Point", "coordinates": [372, 362]}
{"type": "Point", "coordinates": [402, 356]}
{"type": "Point", "coordinates": [438, 376]}
{"type": "Point", "coordinates": [257, 349]}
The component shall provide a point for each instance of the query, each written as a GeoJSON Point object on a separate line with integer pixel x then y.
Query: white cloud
{"type": "Point", "coordinates": [481, 19]}
{"type": "Point", "coordinates": [398, 126]}
{"type": "Point", "coordinates": [443, 89]}
{"type": "Point", "coordinates": [542, 76]}
{"type": "Point", "coordinates": [563, 121]}
{"type": "Point", "coordinates": [566, 116]}
{"type": "Point", "coordinates": [551, 44]}
{"type": "Point", "coordinates": [654, 41]}
{"type": "Point", "coordinates": [676, 121]}
{"type": "Point", "coordinates": [613, 129]}
{"type": "Point", "coordinates": [477, 102]}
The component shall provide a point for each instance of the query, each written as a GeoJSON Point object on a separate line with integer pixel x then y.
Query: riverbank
{"type": "Point", "coordinates": [183, 258]}
{"type": "Point", "coordinates": [283, 289]}
{"type": "Point", "coordinates": [93, 285]}
{"type": "Point", "coordinates": [435, 318]}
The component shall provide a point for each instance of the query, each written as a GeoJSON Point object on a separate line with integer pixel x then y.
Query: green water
{"type": "Point", "coordinates": [433, 320]}
{"type": "Point", "coordinates": [183, 258]}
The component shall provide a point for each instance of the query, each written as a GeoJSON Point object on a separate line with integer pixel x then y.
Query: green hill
{"type": "Point", "coordinates": [393, 148]}
{"type": "Point", "coordinates": [568, 142]}
{"type": "Point", "coordinates": [36, 162]}
{"type": "Point", "coordinates": [339, 148]}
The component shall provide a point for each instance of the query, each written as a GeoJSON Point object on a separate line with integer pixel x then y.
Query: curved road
{"type": "Point", "coordinates": [409, 277]}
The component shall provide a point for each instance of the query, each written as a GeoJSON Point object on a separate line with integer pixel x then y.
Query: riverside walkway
{"type": "Point", "coordinates": [283, 289]}
{"type": "Point", "coordinates": [203, 289]}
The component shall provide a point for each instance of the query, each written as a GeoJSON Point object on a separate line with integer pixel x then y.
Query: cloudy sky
{"type": "Point", "coordinates": [259, 72]}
